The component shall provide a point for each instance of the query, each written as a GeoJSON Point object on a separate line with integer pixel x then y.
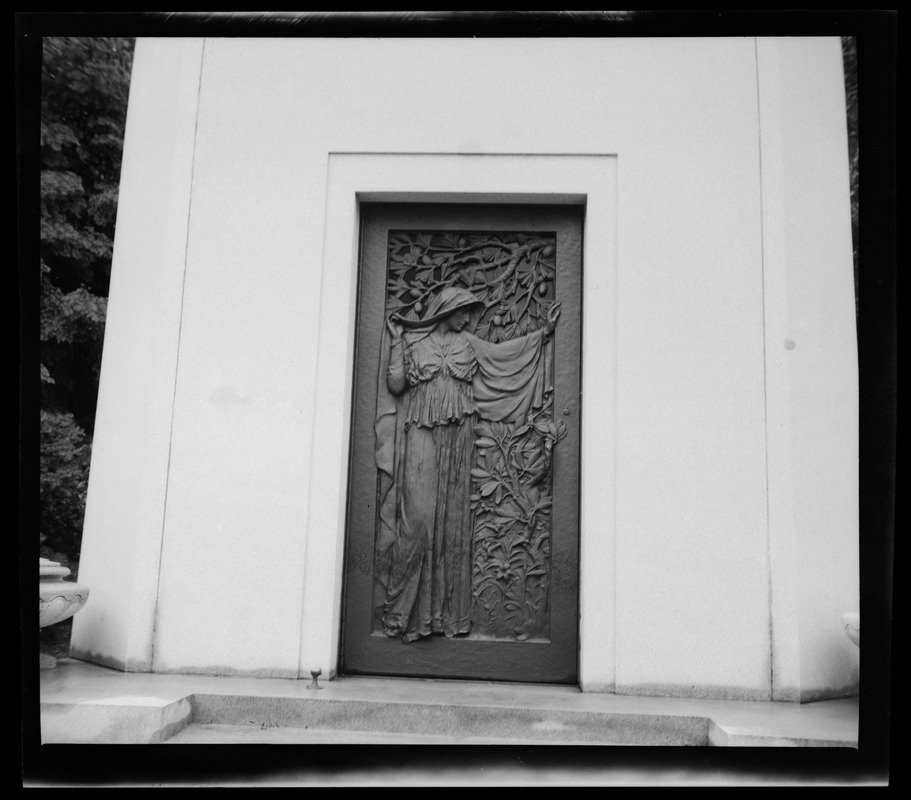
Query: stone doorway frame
{"type": "Point", "coordinates": [517, 179]}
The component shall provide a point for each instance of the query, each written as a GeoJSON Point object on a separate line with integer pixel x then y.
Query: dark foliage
{"type": "Point", "coordinates": [849, 57]}
{"type": "Point", "coordinates": [84, 90]}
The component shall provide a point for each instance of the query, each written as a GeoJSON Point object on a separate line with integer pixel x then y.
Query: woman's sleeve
{"type": "Point", "coordinates": [513, 377]}
{"type": "Point", "coordinates": [396, 379]}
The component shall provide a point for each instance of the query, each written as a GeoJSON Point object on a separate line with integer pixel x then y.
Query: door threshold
{"type": "Point", "coordinates": [443, 681]}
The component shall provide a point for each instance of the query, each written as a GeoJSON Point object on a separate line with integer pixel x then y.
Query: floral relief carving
{"type": "Point", "coordinates": [512, 274]}
{"type": "Point", "coordinates": [512, 501]}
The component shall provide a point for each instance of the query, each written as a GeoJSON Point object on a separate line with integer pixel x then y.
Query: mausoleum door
{"type": "Point", "coordinates": [463, 500]}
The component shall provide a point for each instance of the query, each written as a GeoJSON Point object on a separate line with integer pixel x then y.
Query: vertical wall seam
{"type": "Point", "coordinates": [183, 285]}
{"type": "Point", "coordinates": [765, 378]}
{"type": "Point", "coordinates": [616, 399]}
{"type": "Point", "coordinates": [313, 447]}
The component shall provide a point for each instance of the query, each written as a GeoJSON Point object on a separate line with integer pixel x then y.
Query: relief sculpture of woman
{"type": "Point", "coordinates": [436, 380]}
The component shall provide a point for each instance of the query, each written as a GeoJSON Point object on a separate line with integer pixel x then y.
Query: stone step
{"type": "Point", "coordinates": [349, 720]}
{"type": "Point", "coordinates": [252, 734]}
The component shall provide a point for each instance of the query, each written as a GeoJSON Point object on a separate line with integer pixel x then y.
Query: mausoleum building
{"type": "Point", "coordinates": [522, 360]}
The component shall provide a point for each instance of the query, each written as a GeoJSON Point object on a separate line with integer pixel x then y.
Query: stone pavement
{"type": "Point", "coordinates": [87, 704]}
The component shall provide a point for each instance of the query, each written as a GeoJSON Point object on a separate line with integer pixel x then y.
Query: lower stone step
{"type": "Point", "coordinates": [298, 720]}
{"type": "Point", "coordinates": [263, 734]}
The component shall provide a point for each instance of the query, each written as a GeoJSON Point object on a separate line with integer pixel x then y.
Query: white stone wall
{"type": "Point", "coordinates": [719, 511]}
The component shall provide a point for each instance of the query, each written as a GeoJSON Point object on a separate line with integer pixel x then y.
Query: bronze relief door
{"type": "Point", "coordinates": [463, 503]}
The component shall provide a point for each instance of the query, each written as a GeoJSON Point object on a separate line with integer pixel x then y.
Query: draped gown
{"type": "Point", "coordinates": [433, 387]}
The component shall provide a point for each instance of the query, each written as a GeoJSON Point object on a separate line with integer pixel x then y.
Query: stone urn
{"type": "Point", "coordinates": [57, 599]}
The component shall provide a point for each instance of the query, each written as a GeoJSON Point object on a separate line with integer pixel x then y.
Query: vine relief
{"type": "Point", "coordinates": [465, 436]}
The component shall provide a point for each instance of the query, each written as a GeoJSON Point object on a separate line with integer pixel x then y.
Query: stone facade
{"type": "Point", "coordinates": [719, 375]}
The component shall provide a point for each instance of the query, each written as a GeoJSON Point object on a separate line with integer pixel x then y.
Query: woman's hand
{"type": "Point", "coordinates": [553, 314]}
{"type": "Point", "coordinates": [395, 327]}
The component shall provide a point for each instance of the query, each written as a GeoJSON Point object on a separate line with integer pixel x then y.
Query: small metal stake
{"type": "Point", "coordinates": [315, 673]}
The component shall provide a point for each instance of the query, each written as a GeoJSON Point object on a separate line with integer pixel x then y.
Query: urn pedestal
{"type": "Point", "coordinates": [57, 599]}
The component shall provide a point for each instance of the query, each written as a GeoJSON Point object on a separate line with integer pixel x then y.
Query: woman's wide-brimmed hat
{"type": "Point", "coordinates": [442, 305]}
